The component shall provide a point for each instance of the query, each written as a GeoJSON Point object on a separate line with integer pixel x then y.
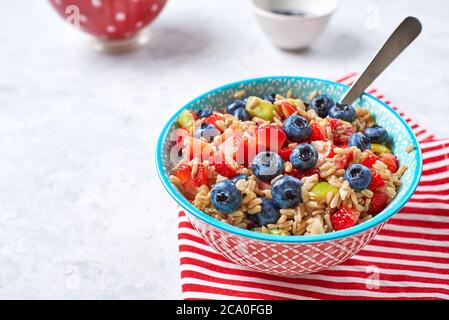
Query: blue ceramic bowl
{"type": "Point", "coordinates": [228, 239]}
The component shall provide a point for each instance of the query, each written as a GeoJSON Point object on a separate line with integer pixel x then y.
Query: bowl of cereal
{"type": "Point", "coordinates": [280, 178]}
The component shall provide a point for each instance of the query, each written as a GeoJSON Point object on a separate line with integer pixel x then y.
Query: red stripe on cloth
{"type": "Point", "coordinates": [426, 211]}
{"type": "Point", "coordinates": [231, 276]}
{"type": "Point", "coordinates": [346, 77]}
{"type": "Point", "coordinates": [306, 282]}
{"type": "Point", "coordinates": [411, 251]}
{"type": "Point", "coordinates": [401, 245]}
{"type": "Point", "coordinates": [416, 235]}
{"type": "Point", "coordinates": [436, 182]}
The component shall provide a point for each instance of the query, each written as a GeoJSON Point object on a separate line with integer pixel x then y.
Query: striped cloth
{"type": "Point", "coordinates": [408, 259]}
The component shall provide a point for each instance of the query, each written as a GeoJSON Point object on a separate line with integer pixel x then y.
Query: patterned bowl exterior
{"type": "Point", "coordinates": [282, 259]}
{"type": "Point", "coordinates": [294, 255]}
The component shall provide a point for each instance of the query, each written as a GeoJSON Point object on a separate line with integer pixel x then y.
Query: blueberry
{"type": "Point", "coordinates": [376, 134]}
{"type": "Point", "coordinates": [358, 176]}
{"type": "Point", "coordinates": [237, 104]}
{"type": "Point", "coordinates": [204, 113]}
{"type": "Point", "coordinates": [267, 165]}
{"type": "Point", "coordinates": [268, 215]}
{"type": "Point", "coordinates": [304, 157]}
{"type": "Point", "coordinates": [297, 128]}
{"type": "Point", "coordinates": [242, 114]}
{"type": "Point", "coordinates": [225, 197]}
{"type": "Point", "coordinates": [321, 105]}
{"type": "Point", "coordinates": [206, 131]}
{"type": "Point", "coordinates": [342, 111]}
{"type": "Point", "coordinates": [270, 97]}
{"type": "Point", "coordinates": [286, 192]}
{"type": "Point", "coordinates": [360, 141]}
{"type": "Point", "coordinates": [239, 177]}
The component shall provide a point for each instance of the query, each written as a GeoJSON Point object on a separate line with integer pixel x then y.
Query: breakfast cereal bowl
{"type": "Point", "coordinates": [292, 255]}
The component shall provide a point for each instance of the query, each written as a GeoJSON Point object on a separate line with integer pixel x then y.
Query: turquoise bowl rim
{"type": "Point", "coordinates": [378, 219]}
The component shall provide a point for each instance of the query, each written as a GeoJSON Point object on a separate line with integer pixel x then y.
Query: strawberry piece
{"type": "Point", "coordinates": [263, 185]}
{"type": "Point", "coordinates": [240, 147]}
{"type": "Point", "coordinates": [285, 153]}
{"type": "Point", "coordinates": [331, 152]}
{"type": "Point", "coordinates": [341, 131]}
{"type": "Point", "coordinates": [248, 148]}
{"type": "Point", "coordinates": [376, 180]}
{"type": "Point", "coordinates": [317, 132]}
{"type": "Point", "coordinates": [370, 159]}
{"type": "Point", "coordinates": [333, 123]}
{"type": "Point", "coordinates": [178, 137]}
{"type": "Point", "coordinates": [378, 202]}
{"type": "Point", "coordinates": [270, 138]}
{"type": "Point", "coordinates": [213, 120]}
{"type": "Point", "coordinates": [343, 162]}
{"type": "Point", "coordinates": [231, 146]}
{"type": "Point", "coordinates": [287, 109]}
{"type": "Point", "coordinates": [183, 172]}
{"type": "Point", "coordinates": [232, 131]}
{"type": "Point", "coordinates": [223, 167]}
{"type": "Point", "coordinates": [189, 189]}
{"type": "Point", "coordinates": [197, 148]}
{"type": "Point", "coordinates": [344, 218]}
{"type": "Point", "coordinates": [390, 160]}
{"type": "Point", "coordinates": [299, 174]}
{"type": "Point", "coordinates": [200, 177]}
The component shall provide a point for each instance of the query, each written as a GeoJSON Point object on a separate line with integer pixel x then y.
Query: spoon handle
{"type": "Point", "coordinates": [404, 34]}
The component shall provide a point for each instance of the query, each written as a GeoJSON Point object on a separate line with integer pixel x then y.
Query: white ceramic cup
{"type": "Point", "coordinates": [295, 31]}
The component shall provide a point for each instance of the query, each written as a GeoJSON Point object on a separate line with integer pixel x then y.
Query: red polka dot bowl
{"type": "Point", "coordinates": [116, 24]}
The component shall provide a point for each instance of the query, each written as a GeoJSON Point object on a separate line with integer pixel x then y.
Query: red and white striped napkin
{"type": "Point", "coordinates": [408, 259]}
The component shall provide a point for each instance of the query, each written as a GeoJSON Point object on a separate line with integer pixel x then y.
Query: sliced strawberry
{"type": "Point", "coordinates": [376, 180]}
{"type": "Point", "coordinates": [240, 147]}
{"type": "Point", "coordinates": [390, 160]}
{"type": "Point", "coordinates": [317, 132]}
{"type": "Point", "coordinates": [287, 109]}
{"type": "Point", "coordinates": [179, 135]}
{"type": "Point", "coordinates": [213, 120]}
{"type": "Point", "coordinates": [285, 153]}
{"type": "Point", "coordinates": [343, 162]}
{"type": "Point", "coordinates": [200, 177]}
{"type": "Point", "coordinates": [378, 202]}
{"type": "Point", "coordinates": [333, 123]}
{"type": "Point", "coordinates": [232, 131]}
{"type": "Point", "coordinates": [330, 151]}
{"type": "Point", "coordinates": [183, 172]}
{"type": "Point", "coordinates": [189, 189]}
{"type": "Point", "coordinates": [270, 138]}
{"type": "Point", "coordinates": [370, 159]}
{"type": "Point", "coordinates": [341, 131]}
{"type": "Point", "coordinates": [248, 148]}
{"type": "Point", "coordinates": [231, 146]}
{"type": "Point", "coordinates": [197, 148]}
{"type": "Point", "coordinates": [263, 185]}
{"type": "Point", "coordinates": [299, 174]}
{"type": "Point", "coordinates": [344, 218]}
{"type": "Point", "coordinates": [223, 167]}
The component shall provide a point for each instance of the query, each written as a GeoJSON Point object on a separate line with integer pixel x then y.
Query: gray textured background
{"type": "Point", "coordinates": [82, 214]}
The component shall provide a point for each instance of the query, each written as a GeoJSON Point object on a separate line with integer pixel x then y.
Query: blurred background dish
{"type": "Point", "coordinates": [293, 24]}
{"type": "Point", "coordinates": [116, 25]}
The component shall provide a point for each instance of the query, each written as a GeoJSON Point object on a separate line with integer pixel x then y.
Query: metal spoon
{"type": "Point", "coordinates": [404, 34]}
